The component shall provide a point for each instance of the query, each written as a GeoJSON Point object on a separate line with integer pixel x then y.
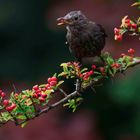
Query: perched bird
{"type": "Point", "coordinates": [85, 38]}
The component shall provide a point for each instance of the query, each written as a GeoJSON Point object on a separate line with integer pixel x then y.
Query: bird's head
{"type": "Point", "coordinates": [72, 18]}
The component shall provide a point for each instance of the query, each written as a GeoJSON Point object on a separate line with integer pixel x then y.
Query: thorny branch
{"type": "Point", "coordinates": [78, 92]}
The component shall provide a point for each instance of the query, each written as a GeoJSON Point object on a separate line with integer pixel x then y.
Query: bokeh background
{"type": "Point", "coordinates": [32, 48]}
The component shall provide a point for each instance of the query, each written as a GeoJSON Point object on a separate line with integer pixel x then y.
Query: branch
{"type": "Point", "coordinates": [33, 103]}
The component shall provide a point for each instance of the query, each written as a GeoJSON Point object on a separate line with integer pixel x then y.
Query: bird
{"type": "Point", "coordinates": [85, 38]}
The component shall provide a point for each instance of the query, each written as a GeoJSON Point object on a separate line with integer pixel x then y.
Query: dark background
{"type": "Point", "coordinates": [32, 47]}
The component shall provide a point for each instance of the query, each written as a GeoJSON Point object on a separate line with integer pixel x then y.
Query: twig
{"type": "Point", "coordinates": [78, 91]}
{"type": "Point", "coordinates": [62, 91]}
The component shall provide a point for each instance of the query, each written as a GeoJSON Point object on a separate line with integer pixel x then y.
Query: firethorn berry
{"type": "Point", "coordinates": [93, 66]}
{"type": "Point", "coordinates": [41, 99]}
{"type": "Point", "coordinates": [2, 94]}
{"type": "Point", "coordinates": [102, 69]}
{"type": "Point", "coordinates": [35, 95]}
{"type": "Point", "coordinates": [13, 105]}
{"type": "Point", "coordinates": [116, 31]}
{"type": "Point", "coordinates": [0, 91]}
{"type": "Point", "coordinates": [38, 94]}
{"type": "Point", "coordinates": [134, 26]}
{"type": "Point", "coordinates": [43, 89]}
{"type": "Point", "coordinates": [118, 37]}
{"type": "Point", "coordinates": [91, 72]}
{"type": "Point", "coordinates": [127, 21]}
{"type": "Point", "coordinates": [43, 95]}
{"type": "Point", "coordinates": [81, 75]}
{"type": "Point", "coordinates": [49, 79]}
{"type": "Point", "coordinates": [36, 87]}
{"type": "Point", "coordinates": [38, 91]}
{"type": "Point", "coordinates": [47, 86]}
{"type": "Point", "coordinates": [131, 51]}
{"type": "Point", "coordinates": [129, 25]}
{"type": "Point", "coordinates": [53, 83]}
{"type": "Point", "coordinates": [115, 65]}
{"type": "Point", "coordinates": [54, 78]}
{"type": "Point", "coordinates": [10, 108]}
{"type": "Point", "coordinates": [5, 102]}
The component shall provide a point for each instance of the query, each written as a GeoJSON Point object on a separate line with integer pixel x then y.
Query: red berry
{"type": "Point", "coordinates": [10, 108]}
{"type": "Point", "coordinates": [13, 106]}
{"type": "Point", "coordinates": [47, 86]}
{"type": "Point", "coordinates": [102, 69]}
{"type": "Point", "coordinates": [127, 21]}
{"type": "Point", "coordinates": [129, 25]}
{"type": "Point", "coordinates": [93, 66]}
{"type": "Point", "coordinates": [90, 72]}
{"type": "Point", "coordinates": [54, 78]}
{"type": "Point", "coordinates": [81, 75]}
{"type": "Point", "coordinates": [3, 94]}
{"type": "Point", "coordinates": [43, 95]}
{"type": "Point", "coordinates": [5, 102]}
{"type": "Point", "coordinates": [35, 95]}
{"type": "Point", "coordinates": [117, 65]}
{"type": "Point", "coordinates": [36, 87]}
{"type": "Point", "coordinates": [0, 91]}
{"type": "Point", "coordinates": [41, 99]}
{"type": "Point", "coordinates": [49, 80]}
{"type": "Point", "coordinates": [113, 65]}
{"type": "Point", "coordinates": [134, 26]}
{"type": "Point", "coordinates": [53, 83]}
{"type": "Point", "coordinates": [116, 31]}
{"type": "Point", "coordinates": [43, 89]}
{"type": "Point", "coordinates": [131, 51]}
{"type": "Point", "coordinates": [38, 91]}
{"type": "Point", "coordinates": [118, 37]}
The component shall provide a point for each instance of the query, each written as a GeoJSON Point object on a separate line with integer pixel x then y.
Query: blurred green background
{"type": "Point", "coordinates": [32, 48]}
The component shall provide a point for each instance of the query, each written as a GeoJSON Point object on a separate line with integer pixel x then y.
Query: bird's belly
{"type": "Point", "coordinates": [81, 49]}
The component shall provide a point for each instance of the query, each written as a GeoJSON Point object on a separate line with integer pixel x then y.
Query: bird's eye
{"type": "Point", "coordinates": [75, 18]}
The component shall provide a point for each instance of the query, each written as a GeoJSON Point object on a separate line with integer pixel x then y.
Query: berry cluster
{"type": "Point", "coordinates": [40, 92]}
{"type": "Point", "coordinates": [115, 65]}
{"type": "Point", "coordinates": [118, 34]}
{"type": "Point", "coordinates": [6, 103]}
{"type": "Point", "coordinates": [127, 25]}
{"type": "Point", "coordinates": [86, 75]}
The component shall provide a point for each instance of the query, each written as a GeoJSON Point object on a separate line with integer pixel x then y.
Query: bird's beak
{"type": "Point", "coordinates": [63, 21]}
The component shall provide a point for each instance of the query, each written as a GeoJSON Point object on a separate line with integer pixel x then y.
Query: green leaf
{"type": "Point", "coordinates": [62, 74]}
{"type": "Point", "coordinates": [23, 124]}
{"type": "Point", "coordinates": [1, 107]}
{"type": "Point", "coordinates": [55, 75]}
{"type": "Point", "coordinates": [59, 83]}
{"type": "Point", "coordinates": [22, 117]}
{"type": "Point", "coordinates": [136, 4]}
{"type": "Point", "coordinates": [84, 69]}
{"type": "Point", "coordinates": [63, 65]}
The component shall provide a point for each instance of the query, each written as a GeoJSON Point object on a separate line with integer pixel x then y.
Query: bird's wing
{"type": "Point", "coordinates": [95, 36]}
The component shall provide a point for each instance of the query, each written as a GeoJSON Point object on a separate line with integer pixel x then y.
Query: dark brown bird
{"type": "Point", "coordinates": [85, 38]}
